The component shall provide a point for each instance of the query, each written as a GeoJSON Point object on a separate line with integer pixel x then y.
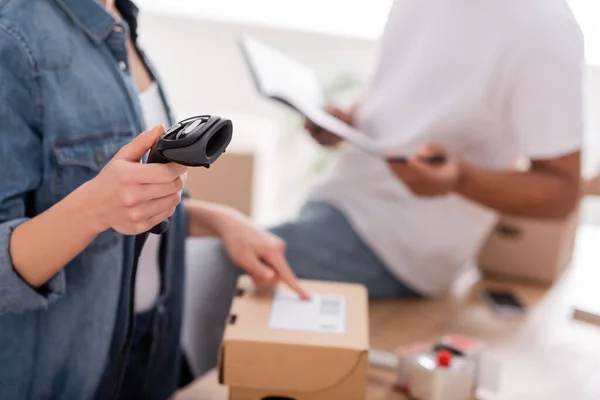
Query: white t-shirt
{"type": "Point", "coordinates": [490, 80]}
{"type": "Point", "coordinates": [147, 281]}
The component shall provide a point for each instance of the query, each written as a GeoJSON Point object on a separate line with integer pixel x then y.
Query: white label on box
{"type": "Point", "coordinates": [322, 313]}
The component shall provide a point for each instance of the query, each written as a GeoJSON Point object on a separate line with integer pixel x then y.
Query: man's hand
{"type": "Point", "coordinates": [426, 178]}
{"type": "Point", "coordinates": [549, 189]}
{"type": "Point", "coordinates": [324, 137]}
{"type": "Point", "coordinates": [260, 253]}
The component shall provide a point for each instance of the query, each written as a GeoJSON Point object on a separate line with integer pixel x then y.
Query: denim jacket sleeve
{"type": "Point", "coordinates": [21, 164]}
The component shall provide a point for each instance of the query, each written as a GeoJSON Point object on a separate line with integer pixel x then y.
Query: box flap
{"type": "Point", "coordinates": [255, 354]}
{"type": "Point", "coordinates": [283, 368]}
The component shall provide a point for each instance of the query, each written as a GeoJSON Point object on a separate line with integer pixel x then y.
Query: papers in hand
{"type": "Point", "coordinates": [281, 78]}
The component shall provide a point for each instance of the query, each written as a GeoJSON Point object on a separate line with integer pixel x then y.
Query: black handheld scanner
{"type": "Point", "coordinates": [195, 142]}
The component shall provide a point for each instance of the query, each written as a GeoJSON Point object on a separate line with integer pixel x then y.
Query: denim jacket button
{"type": "Point", "coordinates": [122, 65]}
{"type": "Point", "coordinates": [99, 157]}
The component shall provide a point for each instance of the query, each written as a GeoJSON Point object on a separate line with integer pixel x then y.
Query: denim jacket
{"type": "Point", "coordinates": [67, 104]}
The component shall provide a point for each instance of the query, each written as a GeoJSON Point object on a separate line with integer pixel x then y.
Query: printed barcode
{"type": "Point", "coordinates": [330, 307]}
{"type": "Point", "coordinates": [328, 327]}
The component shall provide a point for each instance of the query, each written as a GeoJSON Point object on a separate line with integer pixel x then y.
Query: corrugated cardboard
{"type": "Point", "coordinates": [229, 181]}
{"type": "Point", "coordinates": [260, 363]}
{"type": "Point", "coordinates": [529, 249]}
{"type": "Point", "coordinates": [591, 186]}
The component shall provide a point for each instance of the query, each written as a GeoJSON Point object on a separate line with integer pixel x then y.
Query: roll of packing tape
{"type": "Point", "coordinates": [442, 376]}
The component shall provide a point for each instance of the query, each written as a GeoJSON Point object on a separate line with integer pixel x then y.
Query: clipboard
{"type": "Point", "coordinates": [289, 82]}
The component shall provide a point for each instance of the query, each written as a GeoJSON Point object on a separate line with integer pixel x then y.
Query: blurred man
{"type": "Point", "coordinates": [479, 82]}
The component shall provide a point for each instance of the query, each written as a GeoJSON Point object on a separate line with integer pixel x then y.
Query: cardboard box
{"type": "Point", "coordinates": [529, 249]}
{"type": "Point", "coordinates": [591, 186]}
{"type": "Point", "coordinates": [277, 347]}
{"type": "Point", "coordinates": [229, 181]}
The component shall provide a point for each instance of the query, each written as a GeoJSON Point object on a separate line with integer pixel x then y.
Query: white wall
{"type": "Point", "coordinates": [591, 205]}
{"type": "Point", "coordinates": [592, 156]}
{"type": "Point", "coordinates": [204, 72]}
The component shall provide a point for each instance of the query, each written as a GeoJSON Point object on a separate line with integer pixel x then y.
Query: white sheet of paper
{"type": "Point", "coordinates": [280, 77]}
{"type": "Point", "coordinates": [322, 313]}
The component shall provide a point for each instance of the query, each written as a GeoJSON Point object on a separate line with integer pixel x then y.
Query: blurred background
{"type": "Point", "coordinates": [194, 45]}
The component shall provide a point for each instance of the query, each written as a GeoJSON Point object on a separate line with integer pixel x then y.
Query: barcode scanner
{"type": "Point", "coordinates": [194, 142]}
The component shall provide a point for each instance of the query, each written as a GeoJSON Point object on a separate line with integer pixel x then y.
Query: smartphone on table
{"type": "Point", "coordinates": [504, 302]}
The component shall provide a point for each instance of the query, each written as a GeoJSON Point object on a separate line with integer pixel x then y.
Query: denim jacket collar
{"type": "Point", "coordinates": [90, 16]}
{"type": "Point", "coordinates": [93, 19]}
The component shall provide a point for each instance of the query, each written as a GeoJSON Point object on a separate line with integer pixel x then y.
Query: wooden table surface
{"type": "Point", "coordinates": [544, 356]}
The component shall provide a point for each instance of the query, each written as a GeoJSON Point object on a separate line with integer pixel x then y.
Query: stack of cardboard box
{"type": "Point", "coordinates": [529, 249]}
{"type": "Point", "coordinates": [229, 181]}
{"type": "Point", "coordinates": [534, 250]}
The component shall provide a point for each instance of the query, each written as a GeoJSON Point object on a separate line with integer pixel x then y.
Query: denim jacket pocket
{"type": "Point", "coordinates": [80, 159]}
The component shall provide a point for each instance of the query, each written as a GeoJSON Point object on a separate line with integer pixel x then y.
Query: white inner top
{"type": "Point", "coordinates": [490, 80]}
{"type": "Point", "coordinates": [147, 281]}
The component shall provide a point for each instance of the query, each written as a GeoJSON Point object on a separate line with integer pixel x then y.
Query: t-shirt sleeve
{"type": "Point", "coordinates": [546, 100]}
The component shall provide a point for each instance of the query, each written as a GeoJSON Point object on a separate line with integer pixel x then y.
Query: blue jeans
{"type": "Point", "coordinates": [321, 245]}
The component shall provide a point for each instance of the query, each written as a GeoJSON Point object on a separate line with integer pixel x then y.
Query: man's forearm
{"type": "Point", "coordinates": [537, 194]}
{"type": "Point", "coordinates": [40, 247]}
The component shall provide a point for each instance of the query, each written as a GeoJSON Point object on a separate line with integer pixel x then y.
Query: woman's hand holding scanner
{"type": "Point", "coordinates": [432, 171]}
{"type": "Point", "coordinates": [132, 197]}
{"type": "Point", "coordinates": [127, 196]}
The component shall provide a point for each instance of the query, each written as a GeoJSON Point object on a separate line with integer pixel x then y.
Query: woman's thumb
{"type": "Point", "coordinates": [138, 147]}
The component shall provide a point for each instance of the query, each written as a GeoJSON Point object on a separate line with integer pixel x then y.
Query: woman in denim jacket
{"type": "Point", "coordinates": [72, 195]}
